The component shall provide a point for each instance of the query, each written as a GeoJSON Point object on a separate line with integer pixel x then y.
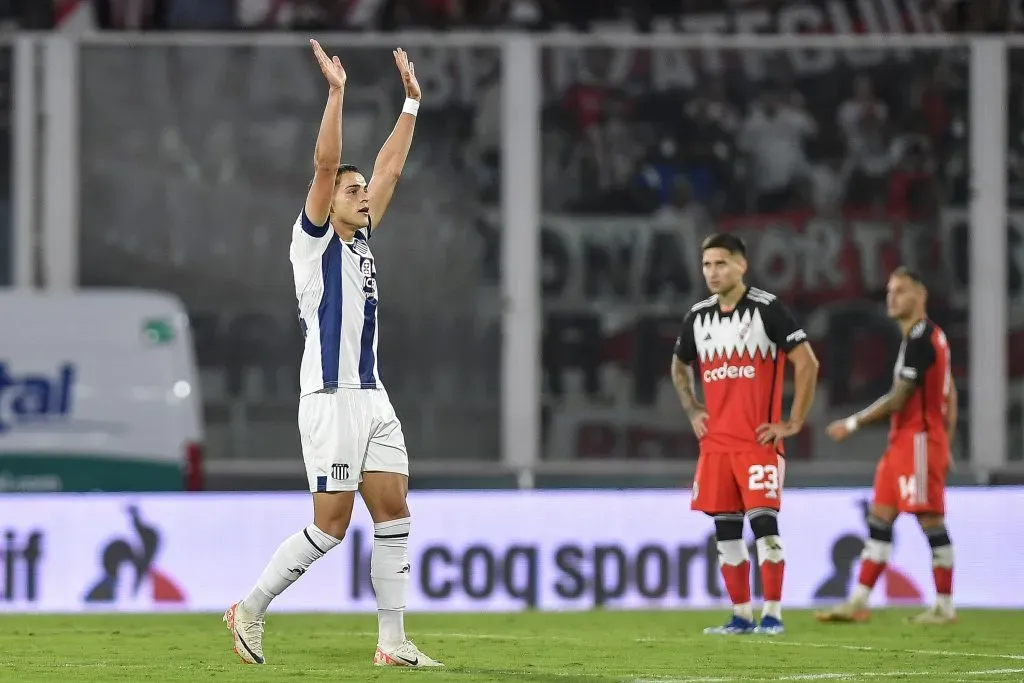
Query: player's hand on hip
{"type": "Point", "coordinates": [699, 421]}
{"type": "Point", "coordinates": [837, 431]}
{"type": "Point", "coordinates": [331, 67]}
{"type": "Point", "coordinates": [408, 72]}
{"type": "Point", "coordinates": [775, 432]}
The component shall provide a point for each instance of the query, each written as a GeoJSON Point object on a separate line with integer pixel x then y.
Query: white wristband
{"type": "Point", "coordinates": [852, 424]}
{"type": "Point", "coordinates": [411, 106]}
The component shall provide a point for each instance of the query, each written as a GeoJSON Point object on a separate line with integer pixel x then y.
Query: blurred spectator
{"type": "Point", "coordinates": [913, 190]}
{"type": "Point", "coordinates": [863, 119]}
{"type": "Point", "coordinates": [614, 148]}
{"type": "Point", "coordinates": [484, 147]}
{"type": "Point", "coordinates": [659, 174]}
{"type": "Point", "coordinates": [827, 186]}
{"type": "Point", "coordinates": [773, 137]}
{"type": "Point", "coordinates": [680, 208]}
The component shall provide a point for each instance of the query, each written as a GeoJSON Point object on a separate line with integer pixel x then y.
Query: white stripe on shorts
{"type": "Point", "coordinates": [921, 468]}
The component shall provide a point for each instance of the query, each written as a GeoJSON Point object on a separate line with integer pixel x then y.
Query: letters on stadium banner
{"type": "Point", "coordinates": [615, 291]}
{"type": "Point", "coordinates": [112, 552]}
{"type": "Point", "coordinates": [668, 69]}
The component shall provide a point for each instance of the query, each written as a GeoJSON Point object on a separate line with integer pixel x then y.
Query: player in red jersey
{"type": "Point", "coordinates": [739, 340]}
{"type": "Point", "coordinates": [911, 476]}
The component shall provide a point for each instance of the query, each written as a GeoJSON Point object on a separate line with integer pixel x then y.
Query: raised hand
{"type": "Point", "coordinates": [408, 72]}
{"type": "Point", "coordinates": [331, 67]}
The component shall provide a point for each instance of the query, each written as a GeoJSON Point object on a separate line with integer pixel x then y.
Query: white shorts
{"type": "Point", "coordinates": [346, 432]}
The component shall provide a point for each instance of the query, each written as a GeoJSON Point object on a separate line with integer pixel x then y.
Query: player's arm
{"type": "Point", "coordinates": [918, 356]}
{"type": "Point", "coordinates": [683, 356]}
{"type": "Point", "coordinates": [327, 154]}
{"type": "Point", "coordinates": [952, 411]}
{"type": "Point", "coordinates": [390, 162]}
{"type": "Point", "coordinates": [789, 337]}
{"type": "Point", "coordinates": [892, 402]}
{"type": "Point", "coordinates": [683, 381]}
{"type": "Point", "coordinates": [805, 381]}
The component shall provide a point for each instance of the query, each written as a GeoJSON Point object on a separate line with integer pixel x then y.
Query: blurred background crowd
{"type": "Point", "coordinates": [388, 15]}
{"type": "Point", "coordinates": [835, 165]}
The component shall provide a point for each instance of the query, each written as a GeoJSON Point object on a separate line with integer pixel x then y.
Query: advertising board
{"type": "Point", "coordinates": [475, 551]}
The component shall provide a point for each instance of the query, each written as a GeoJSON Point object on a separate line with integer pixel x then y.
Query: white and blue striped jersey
{"type": "Point", "coordinates": [336, 287]}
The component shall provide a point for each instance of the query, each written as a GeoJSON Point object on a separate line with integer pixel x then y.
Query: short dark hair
{"type": "Point", "coordinates": [721, 240]}
{"type": "Point", "coordinates": [345, 168]}
{"type": "Point", "coordinates": [342, 170]}
{"type": "Point", "coordinates": [911, 274]}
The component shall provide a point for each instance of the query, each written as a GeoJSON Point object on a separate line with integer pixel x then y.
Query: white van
{"type": "Point", "coordinates": [98, 392]}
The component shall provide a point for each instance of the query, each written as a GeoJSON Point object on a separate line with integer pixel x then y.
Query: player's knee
{"type": "Point", "coordinates": [732, 551]}
{"type": "Point", "coordinates": [385, 495]}
{"type": "Point", "coordinates": [883, 512]}
{"type": "Point", "coordinates": [879, 529]}
{"type": "Point", "coordinates": [332, 512]}
{"type": "Point", "coordinates": [389, 509]}
{"type": "Point", "coordinates": [941, 544]}
{"type": "Point", "coordinates": [764, 522]}
{"type": "Point", "coordinates": [729, 527]}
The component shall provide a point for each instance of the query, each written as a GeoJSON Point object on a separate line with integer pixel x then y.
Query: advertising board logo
{"type": "Point", "coordinates": [128, 572]}
{"type": "Point", "coordinates": [846, 550]}
{"type": "Point", "coordinates": [19, 561]}
{"type": "Point", "coordinates": [35, 400]}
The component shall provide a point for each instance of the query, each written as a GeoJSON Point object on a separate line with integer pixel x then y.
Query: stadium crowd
{"type": "Point", "coordinates": [956, 15]}
{"type": "Point", "coordinates": [840, 138]}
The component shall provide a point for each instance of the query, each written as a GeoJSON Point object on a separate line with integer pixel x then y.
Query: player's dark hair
{"type": "Point", "coordinates": [731, 243]}
{"type": "Point", "coordinates": [345, 168]}
{"type": "Point", "coordinates": [911, 275]}
{"type": "Point", "coordinates": [342, 170]}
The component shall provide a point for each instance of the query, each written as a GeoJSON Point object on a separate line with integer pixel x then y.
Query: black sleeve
{"type": "Point", "coordinates": [686, 346]}
{"type": "Point", "coordinates": [918, 356]}
{"type": "Point", "coordinates": [782, 328]}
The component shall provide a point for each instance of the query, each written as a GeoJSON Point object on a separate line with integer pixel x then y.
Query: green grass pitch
{"type": "Point", "coordinates": [590, 647]}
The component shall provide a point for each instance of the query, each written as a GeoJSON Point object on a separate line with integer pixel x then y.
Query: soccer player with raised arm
{"type": "Point", "coordinates": [351, 437]}
{"type": "Point", "coordinates": [739, 340]}
{"type": "Point", "coordinates": [911, 476]}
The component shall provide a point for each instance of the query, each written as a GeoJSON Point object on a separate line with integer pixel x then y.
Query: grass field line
{"type": "Point", "coordinates": [869, 648]}
{"type": "Point", "coordinates": [470, 636]}
{"type": "Point", "coordinates": [769, 641]}
{"type": "Point", "coordinates": [831, 676]}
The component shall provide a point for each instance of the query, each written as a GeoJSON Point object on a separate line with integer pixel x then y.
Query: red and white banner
{"type": "Point", "coordinates": [476, 551]}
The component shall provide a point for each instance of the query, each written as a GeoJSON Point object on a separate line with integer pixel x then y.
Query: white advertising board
{"type": "Point", "coordinates": [476, 551]}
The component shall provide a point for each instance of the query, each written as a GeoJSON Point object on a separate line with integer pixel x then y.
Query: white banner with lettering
{"type": "Point", "coordinates": [476, 551]}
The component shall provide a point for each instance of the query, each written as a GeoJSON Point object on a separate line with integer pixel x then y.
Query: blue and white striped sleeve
{"type": "Point", "coordinates": [309, 240]}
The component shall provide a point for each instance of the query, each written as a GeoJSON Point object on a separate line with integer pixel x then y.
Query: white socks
{"type": "Point", "coordinates": [289, 562]}
{"type": "Point", "coordinates": [389, 573]}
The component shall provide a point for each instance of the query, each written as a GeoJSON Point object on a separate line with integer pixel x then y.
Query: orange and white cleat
{"type": "Point", "coordinates": [247, 633]}
{"type": "Point", "coordinates": [846, 613]}
{"type": "Point", "coordinates": [406, 654]}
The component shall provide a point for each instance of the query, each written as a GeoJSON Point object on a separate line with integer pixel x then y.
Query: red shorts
{"type": "Point", "coordinates": [737, 481]}
{"type": "Point", "coordinates": [911, 476]}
